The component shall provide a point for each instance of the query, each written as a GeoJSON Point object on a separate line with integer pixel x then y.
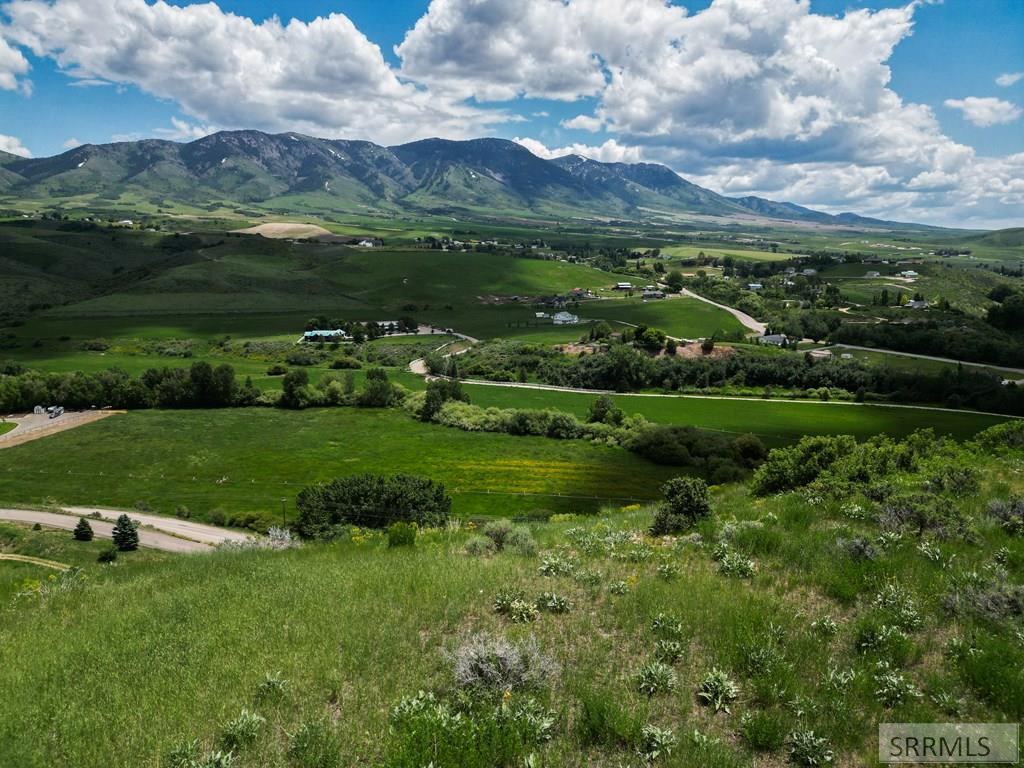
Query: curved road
{"type": "Point", "coordinates": [743, 317]}
{"type": "Point", "coordinates": [173, 535]}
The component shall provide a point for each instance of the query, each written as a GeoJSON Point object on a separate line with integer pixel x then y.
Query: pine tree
{"type": "Point", "coordinates": [126, 534]}
{"type": "Point", "coordinates": [83, 531]}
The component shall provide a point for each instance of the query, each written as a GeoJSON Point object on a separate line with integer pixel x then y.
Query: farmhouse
{"type": "Point", "coordinates": [653, 293]}
{"type": "Point", "coordinates": [336, 334]}
{"type": "Point", "coordinates": [773, 340]}
{"type": "Point", "coordinates": [565, 318]}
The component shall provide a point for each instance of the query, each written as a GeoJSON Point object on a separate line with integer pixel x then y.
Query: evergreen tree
{"type": "Point", "coordinates": [83, 531]}
{"type": "Point", "coordinates": [126, 534]}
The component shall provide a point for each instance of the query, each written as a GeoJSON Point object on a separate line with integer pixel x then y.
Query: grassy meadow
{"type": "Point", "coordinates": [328, 638]}
{"type": "Point", "coordinates": [244, 461]}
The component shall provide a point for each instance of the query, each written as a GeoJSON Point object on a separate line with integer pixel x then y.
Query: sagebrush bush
{"type": "Point", "coordinates": [485, 663]}
{"type": "Point", "coordinates": [498, 531]}
{"type": "Point", "coordinates": [735, 564]}
{"type": "Point", "coordinates": [505, 597]}
{"type": "Point", "coordinates": [521, 540]}
{"type": "Point", "coordinates": [479, 546]}
{"type": "Point", "coordinates": [667, 626]}
{"type": "Point", "coordinates": [892, 687]}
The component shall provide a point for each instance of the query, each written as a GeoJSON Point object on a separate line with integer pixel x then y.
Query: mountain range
{"type": "Point", "coordinates": [294, 173]}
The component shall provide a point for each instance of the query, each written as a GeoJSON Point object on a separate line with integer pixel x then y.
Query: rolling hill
{"type": "Point", "coordinates": [292, 172]}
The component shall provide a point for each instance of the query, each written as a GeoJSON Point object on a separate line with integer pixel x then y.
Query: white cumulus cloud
{"type": "Point", "coordinates": [13, 145]}
{"type": "Point", "coordinates": [13, 65]}
{"type": "Point", "coordinates": [1009, 78]}
{"type": "Point", "coordinates": [323, 77]}
{"type": "Point", "coordinates": [985, 111]}
{"type": "Point", "coordinates": [583, 123]}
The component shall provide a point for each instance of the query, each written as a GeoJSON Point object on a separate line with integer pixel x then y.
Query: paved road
{"type": "Point", "coordinates": [33, 426]}
{"type": "Point", "coordinates": [743, 317]}
{"type": "Point", "coordinates": [929, 357]}
{"type": "Point", "coordinates": [104, 529]}
{"type": "Point", "coordinates": [200, 532]}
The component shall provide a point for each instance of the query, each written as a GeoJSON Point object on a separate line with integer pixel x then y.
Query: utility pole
{"type": "Point", "coordinates": [284, 513]}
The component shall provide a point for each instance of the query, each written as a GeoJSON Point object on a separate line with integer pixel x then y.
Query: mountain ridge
{"type": "Point", "coordinates": [250, 167]}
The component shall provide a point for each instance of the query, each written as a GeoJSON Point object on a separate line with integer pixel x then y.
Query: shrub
{"type": "Point", "coordinates": [556, 565]}
{"type": "Point", "coordinates": [807, 749]}
{"type": "Point", "coordinates": [668, 651]}
{"type": "Point", "coordinates": [498, 531]}
{"type": "Point", "coordinates": [522, 612]}
{"type": "Point", "coordinates": [83, 531]}
{"type": "Point", "coordinates": [655, 742]}
{"type": "Point", "coordinates": [686, 502]}
{"type": "Point", "coordinates": [717, 690]}
{"type": "Point", "coordinates": [667, 571]}
{"type": "Point", "coordinates": [184, 755]}
{"type": "Point", "coordinates": [487, 664]}
{"type": "Point", "coordinates": [402, 534]}
{"type": "Point", "coordinates": [107, 556]}
{"type": "Point", "coordinates": [892, 686]}
{"type": "Point", "coordinates": [521, 540]}
{"type": "Point", "coordinates": [242, 731]}
{"type": "Point", "coordinates": [273, 687]}
{"type": "Point", "coordinates": [552, 602]}
{"type": "Point", "coordinates": [796, 466]}
{"type": "Point", "coordinates": [857, 548]}
{"type": "Point", "coordinates": [654, 677]}
{"type": "Point", "coordinates": [315, 745]}
{"type": "Point", "coordinates": [667, 627]}
{"type": "Point", "coordinates": [370, 501]}
{"type": "Point", "coordinates": [277, 370]}
{"type": "Point", "coordinates": [735, 564]}
{"type": "Point", "coordinates": [898, 606]}
{"type": "Point", "coordinates": [126, 534]}
{"type": "Point", "coordinates": [345, 363]}
{"type": "Point", "coordinates": [478, 546]}
{"type": "Point", "coordinates": [826, 626]}
{"type": "Point", "coordinates": [506, 596]}
{"type": "Point", "coordinates": [428, 732]}
{"type": "Point", "coordinates": [1009, 514]}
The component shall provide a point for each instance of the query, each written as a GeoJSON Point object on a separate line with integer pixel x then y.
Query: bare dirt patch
{"type": "Point", "coordinates": [285, 230]}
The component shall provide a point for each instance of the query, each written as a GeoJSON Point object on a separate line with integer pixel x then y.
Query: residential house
{"type": "Point", "coordinates": [774, 340]}
{"type": "Point", "coordinates": [623, 287]}
{"type": "Point", "coordinates": [336, 334]}
{"type": "Point", "coordinates": [754, 286]}
{"type": "Point", "coordinates": [873, 273]}
{"type": "Point", "coordinates": [565, 318]}
{"type": "Point", "coordinates": [653, 293]}
{"type": "Point", "coordinates": [817, 355]}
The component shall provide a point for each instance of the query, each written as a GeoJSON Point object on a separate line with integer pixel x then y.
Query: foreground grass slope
{"type": "Point", "coordinates": [150, 659]}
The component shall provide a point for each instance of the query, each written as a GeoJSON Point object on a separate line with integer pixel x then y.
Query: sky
{"type": "Point", "coordinates": [907, 110]}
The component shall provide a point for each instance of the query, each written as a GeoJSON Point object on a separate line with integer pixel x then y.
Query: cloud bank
{"type": "Point", "coordinates": [748, 96]}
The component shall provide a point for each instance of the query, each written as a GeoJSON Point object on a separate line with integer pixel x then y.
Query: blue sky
{"type": "Point", "coordinates": [878, 106]}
